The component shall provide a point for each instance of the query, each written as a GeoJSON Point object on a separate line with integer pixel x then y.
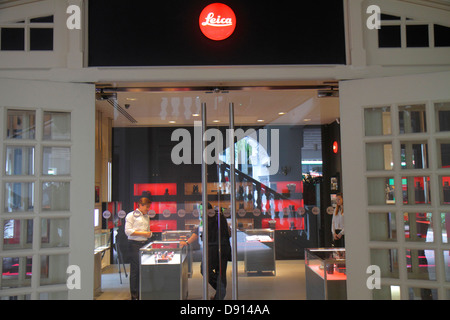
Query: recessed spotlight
{"type": "Point", "coordinates": [131, 99]}
{"type": "Point", "coordinates": [306, 120]}
{"type": "Point", "coordinates": [172, 122]}
{"type": "Point", "coordinates": [196, 115]}
{"type": "Point", "coordinates": [216, 121]}
{"type": "Point", "coordinates": [281, 113]}
{"type": "Point", "coordinates": [260, 120]}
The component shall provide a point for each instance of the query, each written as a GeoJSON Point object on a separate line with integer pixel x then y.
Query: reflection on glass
{"type": "Point", "coordinates": [56, 161]}
{"type": "Point", "coordinates": [382, 226]}
{"type": "Point", "coordinates": [416, 190]}
{"type": "Point", "coordinates": [54, 233]}
{"type": "Point", "coordinates": [446, 254]}
{"type": "Point", "coordinates": [377, 121]}
{"type": "Point", "coordinates": [56, 196]}
{"type": "Point", "coordinates": [60, 295]}
{"type": "Point", "coordinates": [387, 260]}
{"type": "Point", "coordinates": [57, 126]}
{"type": "Point", "coordinates": [53, 269]}
{"type": "Point", "coordinates": [21, 124]}
{"type": "Point", "coordinates": [412, 119]}
{"type": "Point", "coordinates": [17, 234]}
{"type": "Point", "coordinates": [422, 294]}
{"type": "Point", "coordinates": [387, 293]}
{"type": "Point", "coordinates": [443, 116]}
{"type": "Point", "coordinates": [19, 196]}
{"type": "Point", "coordinates": [19, 161]}
{"type": "Point", "coordinates": [445, 183]}
{"type": "Point", "coordinates": [418, 227]}
{"type": "Point", "coordinates": [380, 191]}
{"type": "Point", "coordinates": [445, 226]}
{"type": "Point", "coordinates": [444, 151]}
{"type": "Point", "coordinates": [414, 155]}
{"type": "Point", "coordinates": [16, 297]}
{"type": "Point", "coordinates": [379, 156]}
{"type": "Point", "coordinates": [16, 272]}
{"type": "Point", "coordinates": [420, 264]}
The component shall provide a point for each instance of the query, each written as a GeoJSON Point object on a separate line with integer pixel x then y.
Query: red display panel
{"type": "Point", "coordinates": [159, 207]}
{"type": "Point", "coordinates": [282, 186]}
{"type": "Point", "coordinates": [282, 204]}
{"type": "Point", "coordinates": [162, 225]}
{"type": "Point", "coordinates": [285, 223]}
{"type": "Point", "coordinates": [156, 189]}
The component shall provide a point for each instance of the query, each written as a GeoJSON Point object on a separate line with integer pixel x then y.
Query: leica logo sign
{"type": "Point", "coordinates": [217, 21]}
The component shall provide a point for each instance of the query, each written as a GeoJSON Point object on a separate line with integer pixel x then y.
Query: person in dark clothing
{"type": "Point", "coordinates": [219, 252]}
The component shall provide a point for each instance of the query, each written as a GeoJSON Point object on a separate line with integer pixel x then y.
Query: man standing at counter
{"type": "Point", "coordinates": [137, 228]}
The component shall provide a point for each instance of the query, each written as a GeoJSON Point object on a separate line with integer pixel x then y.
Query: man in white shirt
{"type": "Point", "coordinates": [137, 228]}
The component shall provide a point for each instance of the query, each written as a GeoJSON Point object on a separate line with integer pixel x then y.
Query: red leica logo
{"type": "Point", "coordinates": [217, 21]}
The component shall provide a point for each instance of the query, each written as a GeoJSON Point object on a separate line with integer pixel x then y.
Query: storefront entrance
{"type": "Point", "coordinates": [261, 170]}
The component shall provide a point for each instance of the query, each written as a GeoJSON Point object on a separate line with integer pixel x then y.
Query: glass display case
{"type": "Point", "coordinates": [102, 241]}
{"type": "Point", "coordinates": [180, 235]}
{"type": "Point", "coordinates": [260, 251]}
{"type": "Point", "coordinates": [325, 274]}
{"type": "Point", "coordinates": [102, 245]}
{"type": "Point", "coordinates": [163, 271]}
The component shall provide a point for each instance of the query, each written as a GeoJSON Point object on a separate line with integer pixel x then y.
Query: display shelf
{"type": "Point", "coordinates": [297, 223]}
{"type": "Point", "coordinates": [155, 189]}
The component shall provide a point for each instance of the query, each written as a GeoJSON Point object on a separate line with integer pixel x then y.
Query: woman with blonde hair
{"type": "Point", "coordinates": [337, 223]}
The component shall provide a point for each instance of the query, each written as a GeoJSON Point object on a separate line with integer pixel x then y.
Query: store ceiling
{"type": "Point", "coordinates": [253, 106]}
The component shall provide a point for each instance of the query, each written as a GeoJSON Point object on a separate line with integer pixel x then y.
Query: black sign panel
{"type": "Point", "coordinates": [167, 33]}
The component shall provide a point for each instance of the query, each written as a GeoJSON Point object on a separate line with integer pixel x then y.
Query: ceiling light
{"type": "Point", "coordinates": [172, 122]}
{"type": "Point", "coordinates": [131, 99]}
{"type": "Point", "coordinates": [260, 120]}
{"type": "Point", "coordinates": [216, 121]}
{"type": "Point", "coordinates": [306, 120]}
{"type": "Point", "coordinates": [196, 115]}
{"type": "Point", "coordinates": [281, 113]}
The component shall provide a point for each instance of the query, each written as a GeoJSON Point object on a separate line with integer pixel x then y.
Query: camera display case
{"type": "Point", "coordinates": [163, 271]}
{"type": "Point", "coordinates": [260, 251]}
{"type": "Point", "coordinates": [325, 274]}
{"type": "Point", "coordinates": [180, 235]}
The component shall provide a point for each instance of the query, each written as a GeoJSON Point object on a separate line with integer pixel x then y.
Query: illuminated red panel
{"type": "Point", "coordinates": [156, 189]}
{"type": "Point", "coordinates": [285, 223]}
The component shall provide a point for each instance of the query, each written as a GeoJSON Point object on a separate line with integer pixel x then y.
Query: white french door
{"type": "Point", "coordinates": [46, 189]}
{"type": "Point", "coordinates": [396, 174]}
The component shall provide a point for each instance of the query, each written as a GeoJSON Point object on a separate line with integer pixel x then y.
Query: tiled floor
{"type": "Point", "coordinates": [287, 284]}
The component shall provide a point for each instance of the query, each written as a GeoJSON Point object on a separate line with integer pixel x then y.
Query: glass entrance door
{"type": "Point", "coordinates": [241, 155]}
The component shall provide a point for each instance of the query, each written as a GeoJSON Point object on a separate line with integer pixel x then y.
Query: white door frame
{"type": "Point", "coordinates": [355, 96]}
{"type": "Point", "coordinates": [79, 101]}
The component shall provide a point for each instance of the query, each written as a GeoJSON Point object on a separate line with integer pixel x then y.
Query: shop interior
{"type": "Point", "coordinates": [286, 165]}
